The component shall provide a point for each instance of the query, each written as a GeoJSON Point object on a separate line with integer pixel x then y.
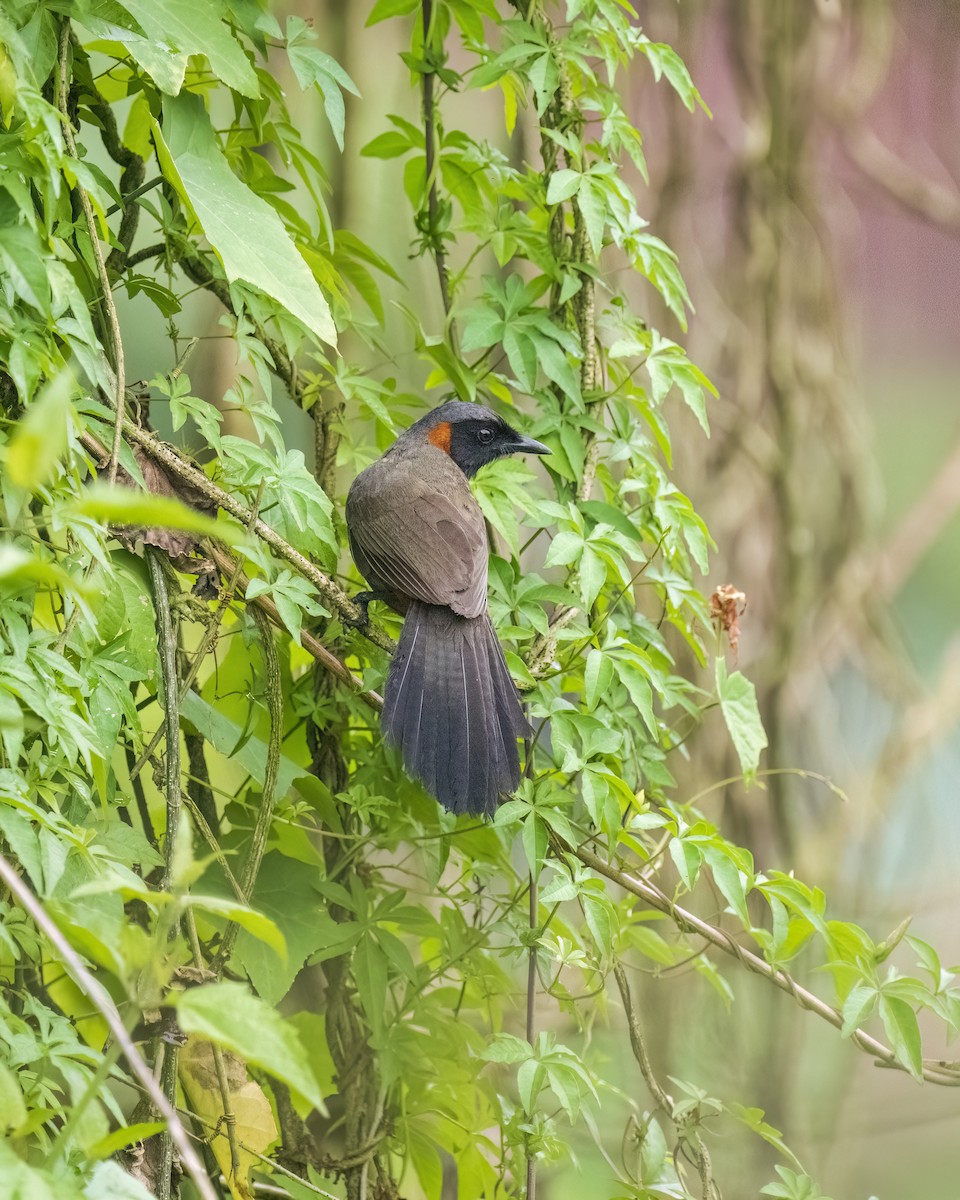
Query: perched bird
{"type": "Point", "coordinates": [418, 537]}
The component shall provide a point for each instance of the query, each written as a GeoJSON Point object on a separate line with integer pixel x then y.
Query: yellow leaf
{"type": "Point", "coordinates": [255, 1127]}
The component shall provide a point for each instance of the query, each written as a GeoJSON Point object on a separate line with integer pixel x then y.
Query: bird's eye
{"type": "Point", "coordinates": [485, 436]}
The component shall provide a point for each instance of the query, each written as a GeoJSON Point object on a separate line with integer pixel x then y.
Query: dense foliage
{"type": "Point", "coordinates": [211, 864]}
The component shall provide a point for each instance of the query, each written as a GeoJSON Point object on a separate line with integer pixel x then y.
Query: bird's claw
{"type": "Point", "coordinates": [362, 600]}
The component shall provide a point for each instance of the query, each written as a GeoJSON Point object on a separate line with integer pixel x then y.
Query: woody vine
{"type": "Point", "coordinates": [238, 946]}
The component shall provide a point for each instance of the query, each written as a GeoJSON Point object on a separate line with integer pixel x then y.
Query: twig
{"type": "Point", "coordinates": [134, 260]}
{"type": "Point", "coordinates": [113, 322]}
{"type": "Point", "coordinates": [268, 796]}
{"type": "Point", "coordinates": [688, 922]}
{"type": "Point", "coordinates": [215, 848]}
{"type": "Point", "coordinates": [533, 900]}
{"type": "Point", "coordinates": [98, 996]}
{"type": "Point", "coordinates": [171, 708]}
{"type": "Point", "coordinates": [433, 204]}
{"type": "Point", "coordinates": [229, 1116]}
{"type": "Point", "coordinates": [638, 1044]}
{"type": "Point", "coordinates": [167, 649]}
{"type": "Point", "coordinates": [331, 592]}
{"type": "Point", "coordinates": [206, 643]}
{"type": "Point", "coordinates": [312, 645]}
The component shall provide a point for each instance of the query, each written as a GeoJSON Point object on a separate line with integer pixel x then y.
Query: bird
{"type": "Point", "coordinates": [418, 537]}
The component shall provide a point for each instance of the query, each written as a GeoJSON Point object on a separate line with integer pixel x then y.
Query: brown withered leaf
{"type": "Point", "coordinates": [727, 606]}
{"type": "Point", "coordinates": [179, 545]}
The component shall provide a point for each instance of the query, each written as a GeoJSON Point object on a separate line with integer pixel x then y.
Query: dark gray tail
{"type": "Point", "coordinates": [453, 710]}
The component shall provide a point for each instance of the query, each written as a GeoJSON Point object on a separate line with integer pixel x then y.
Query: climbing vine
{"type": "Point", "coordinates": [237, 944]}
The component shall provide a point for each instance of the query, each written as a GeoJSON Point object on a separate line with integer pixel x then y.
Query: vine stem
{"type": "Point", "coordinates": [534, 912]}
{"type": "Point", "coordinates": [689, 923]}
{"type": "Point", "coordinates": [433, 202]}
{"type": "Point", "coordinates": [265, 813]}
{"type": "Point", "coordinates": [110, 308]}
{"type": "Point", "coordinates": [329, 591]}
{"type": "Point", "coordinates": [99, 997]}
{"type": "Point", "coordinates": [167, 648]}
{"type": "Point", "coordinates": [171, 710]}
{"type": "Point", "coordinates": [229, 1116]}
{"type": "Point", "coordinates": [206, 644]}
{"type": "Point", "coordinates": [662, 1098]}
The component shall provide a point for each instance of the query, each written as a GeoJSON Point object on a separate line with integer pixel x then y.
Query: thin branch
{"type": "Point", "coordinates": [689, 923]}
{"type": "Point", "coordinates": [147, 252]}
{"type": "Point", "coordinates": [100, 999]}
{"type": "Point", "coordinates": [229, 1116]}
{"type": "Point", "coordinates": [329, 591]}
{"type": "Point", "coordinates": [215, 848]}
{"type": "Point", "coordinates": [206, 644]}
{"type": "Point", "coordinates": [171, 709]}
{"type": "Point", "coordinates": [638, 1045]}
{"type": "Point", "coordinates": [533, 914]}
{"type": "Point", "coordinates": [113, 322]}
{"type": "Point", "coordinates": [167, 651]}
{"type": "Point", "coordinates": [274, 691]}
{"type": "Point", "coordinates": [311, 644]}
{"type": "Point", "coordinates": [433, 203]}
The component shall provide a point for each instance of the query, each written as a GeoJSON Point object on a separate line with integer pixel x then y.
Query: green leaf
{"type": "Point", "coordinates": [23, 1182]}
{"type": "Point", "coordinates": [370, 972]}
{"type": "Point", "coordinates": [738, 702]}
{"type": "Point", "coordinates": [391, 144]}
{"type": "Point", "coordinates": [859, 1004]}
{"type": "Point", "coordinates": [563, 185]}
{"type": "Point", "coordinates": [313, 67]}
{"type": "Point", "coordinates": [597, 677]}
{"type": "Point", "coordinates": [253, 922]}
{"type": "Point", "coordinates": [728, 879]}
{"type": "Point", "coordinates": [794, 1185]}
{"type": "Point", "coordinates": [664, 60]}
{"type": "Point", "coordinates": [232, 742]}
{"type": "Point", "coordinates": [127, 1135]}
{"type": "Point", "coordinates": [40, 437]}
{"type": "Point", "coordinates": [286, 893]}
{"type": "Point", "coordinates": [13, 1110]}
{"type": "Point", "coordinates": [753, 1119]}
{"type": "Point", "coordinates": [194, 28]}
{"type": "Point", "coordinates": [244, 229]}
{"type": "Point", "coordinates": [228, 1015]}
{"type": "Point", "coordinates": [124, 507]}
{"type": "Point", "coordinates": [687, 859]}
{"type": "Point", "coordinates": [383, 9]}
{"type": "Point", "coordinates": [900, 1023]}
{"type": "Point", "coordinates": [593, 574]}
{"type": "Point", "coordinates": [23, 260]}
{"type": "Point", "coordinates": [530, 1080]}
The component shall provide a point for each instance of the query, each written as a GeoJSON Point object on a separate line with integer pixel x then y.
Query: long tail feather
{"type": "Point", "coordinates": [452, 709]}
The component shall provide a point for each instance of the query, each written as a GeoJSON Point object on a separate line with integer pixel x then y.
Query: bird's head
{"type": "Point", "coordinates": [473, 435]}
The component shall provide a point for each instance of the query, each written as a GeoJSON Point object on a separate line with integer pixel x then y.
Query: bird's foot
{"type": "Point", "coordinates": [362, 600]}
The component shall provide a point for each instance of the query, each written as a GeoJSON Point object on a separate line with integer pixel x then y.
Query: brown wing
{"type": "Point", "coordinates": [420, 532]}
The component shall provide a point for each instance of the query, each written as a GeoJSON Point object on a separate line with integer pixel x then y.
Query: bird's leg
{"type": "Point", "coordinates": [363, 600]}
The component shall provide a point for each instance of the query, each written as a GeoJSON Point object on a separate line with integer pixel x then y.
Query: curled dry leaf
{"type": "Point", "coordinates": [180, 545]}
{"type": "Point", "coordinates": [727, 606]}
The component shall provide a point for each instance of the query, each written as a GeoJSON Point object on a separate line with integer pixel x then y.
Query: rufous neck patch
{"type": "Point", "coordinates": [439, 436]}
